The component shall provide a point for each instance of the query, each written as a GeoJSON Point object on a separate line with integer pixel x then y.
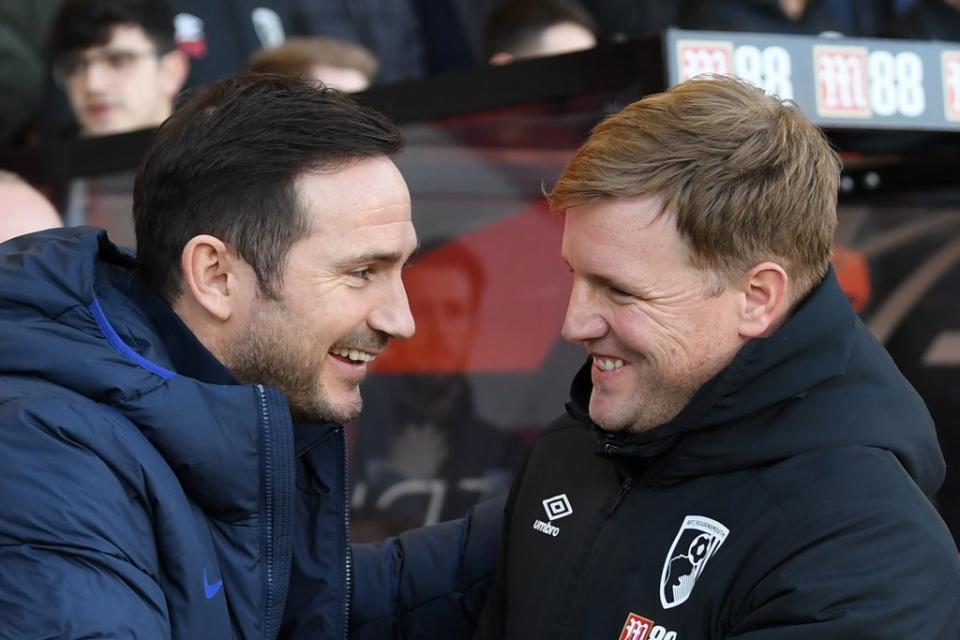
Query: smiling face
{"type": "Point", "coordinates": [342, 297]}
{"type": "Point", "coordinates": [646, 315]}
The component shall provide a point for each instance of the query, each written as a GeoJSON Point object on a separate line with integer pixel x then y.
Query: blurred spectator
{"type": "Point", "coordinates": [23, 209]}
{"type": "Point", "coordinates": [339, 64]}
{"type": "Point", "coordinates": [518, 29]}
{"type": "Point", "coordinates": [422, 451]}
{"type": "Point", "coordinates": [452, 32]}
{"type": "Point", "coordinates": [219, 36]}
{"type": "Point", "coordinates": [388, 28]}
{"type": "Point", "coordinates": [622, 19]}
{"type": "Point", "coordinates": [766, 16]}
{"type": "Point", "coordinates": [928, 20]}
{"type": "Point", "coordinates": [117, 62]}
{"type": "Point", "coordinates": [24, 29]}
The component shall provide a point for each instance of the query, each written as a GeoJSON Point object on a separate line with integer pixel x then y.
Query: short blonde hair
{"type": "Point", "coordinates": [746, 176]}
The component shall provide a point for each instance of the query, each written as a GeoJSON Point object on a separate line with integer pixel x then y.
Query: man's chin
{"type": "Point", "coordinates": [608, 418]}
{"type": "Point", "coordinates": [323, 409]}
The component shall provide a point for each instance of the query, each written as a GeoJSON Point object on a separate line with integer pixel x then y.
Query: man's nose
{"type": "Point", "coordinates": [95, 76]}
{"type": "Point", "coordinates": [393, 315]}
{"type": "Point", "coordinates": [584, 319]}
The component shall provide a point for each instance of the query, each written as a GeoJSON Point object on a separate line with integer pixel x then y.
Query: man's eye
{"type": "Point", "coordinates": [619, 293]}
{"type": "Point", "coordinates": [362, 274]}
{"type": "Point", "coordinates": [120, 59]}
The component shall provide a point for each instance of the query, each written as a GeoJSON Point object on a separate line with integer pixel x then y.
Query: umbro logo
{"type": "Point", "coordinates": [556, 507]}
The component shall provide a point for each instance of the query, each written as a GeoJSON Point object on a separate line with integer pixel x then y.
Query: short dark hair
{"type": "Point", "coordinates": [226, 163]}
{"type": "Point", "coordinates": [515, 26]}
{"type": "Point", "coordinates": [82, 24]}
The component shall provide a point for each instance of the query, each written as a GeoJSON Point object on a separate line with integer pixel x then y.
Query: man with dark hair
{"type": "Point", "coordinates": [520, 29]}
{"type": "Point", "coordinates": [173, 455]}
{"type": "Point", "coordinates": [118, 63]}
{"type": "Point", "coordinates": [740, 458]}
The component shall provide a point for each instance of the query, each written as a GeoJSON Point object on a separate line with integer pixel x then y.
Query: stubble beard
{"type": "Point", "coordinates": [657, 401]}
{"type": "Point", "coordinates": [272, 351]}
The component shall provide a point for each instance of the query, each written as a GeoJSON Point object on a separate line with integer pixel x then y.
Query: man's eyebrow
{"type": "Point", "coordinates": [375, 256]}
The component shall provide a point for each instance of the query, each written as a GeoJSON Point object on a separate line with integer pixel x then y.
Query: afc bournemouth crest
{"type": "Point", "coordinates": [696, 542]}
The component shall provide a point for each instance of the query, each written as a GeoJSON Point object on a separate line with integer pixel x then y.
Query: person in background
{"type": "Point", "coordinates": [619, 20]}
{"type": "Point", "coordinates": [118, 64]}
{"type": "Point", "coordinates": [422, 452]}
{"type": "Point", "coordinates": [928, 20]}
{"type": "Point", "coordinates": [24, 30]}
{"type": "Point", "coordinates": [521, 29]}
{"type": "Point", "coordinates": [864, 18]}
{"type": "Point", "coordinates": [338, 64]}
{"type": "Point", "coordinates": [23, 209]}
{"type": "Point", "coordinates": [739, 458]}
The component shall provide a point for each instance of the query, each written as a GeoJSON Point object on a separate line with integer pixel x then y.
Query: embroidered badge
{"type": "Point", "coordinates": [696, 542]}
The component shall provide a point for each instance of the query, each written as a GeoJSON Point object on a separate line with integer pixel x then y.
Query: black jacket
{"type": "Point", "coordinates": [787, 500]}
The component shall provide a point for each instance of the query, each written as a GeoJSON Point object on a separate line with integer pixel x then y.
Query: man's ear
{"type": "Point", "coordinates": [765, 300]}
{"type": "Point", "coordinates": [175, 68]}
{"type": "Point", "coordinates": [212, 276]}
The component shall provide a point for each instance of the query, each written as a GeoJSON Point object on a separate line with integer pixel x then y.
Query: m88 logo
{"type": "Point", "coordinates": [769, 68]}
{"type": "Point", "coordinates": [639, 628]}
{"type": "Point", "coordinates": [853, 82]}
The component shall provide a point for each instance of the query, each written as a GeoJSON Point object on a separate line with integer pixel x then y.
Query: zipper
{"type": "Point", "coordinates": [268, 507]}
{"type": "Point", "coordinates": [348, 566]}
{"type": "Point", "coordinates": [625, 488]}
{"type": "Point", "coordinates": [277, 459]}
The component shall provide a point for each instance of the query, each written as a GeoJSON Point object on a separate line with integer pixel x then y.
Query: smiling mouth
{"type": "Point", "coordinates": [353, 356]}
{"type": "Point", "coordinates": [606, 363]}
{"type": "Point", "coordinates": [100, 108]}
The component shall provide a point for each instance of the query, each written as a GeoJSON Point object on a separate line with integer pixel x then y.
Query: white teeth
{"type": "Point", "coordinates": [353, 354]}
{"type": "Point", "coordinates": [608, 364]}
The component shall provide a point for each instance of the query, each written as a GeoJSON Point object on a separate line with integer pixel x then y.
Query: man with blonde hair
{"type": "Point", "coordinates": [740, 458]}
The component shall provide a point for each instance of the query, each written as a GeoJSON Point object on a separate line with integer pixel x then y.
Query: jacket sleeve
{"type": "Point", "coordinates": [426, 583]}
{"type": "Point", "coordinates": [66, 569]}
{"type": "Point", "coordinates": [75, 593]}
{"type": "Point", "coordinates": [885, 572]}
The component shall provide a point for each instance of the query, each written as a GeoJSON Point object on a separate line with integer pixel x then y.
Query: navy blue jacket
{"type": "Point", "coordinates": [787, 500]}
{"type": "Point", "coordinates": [144, 492]}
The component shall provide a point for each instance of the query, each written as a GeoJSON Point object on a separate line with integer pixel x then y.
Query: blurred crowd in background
{"type": "Point", "coordinates": [94, 67]}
